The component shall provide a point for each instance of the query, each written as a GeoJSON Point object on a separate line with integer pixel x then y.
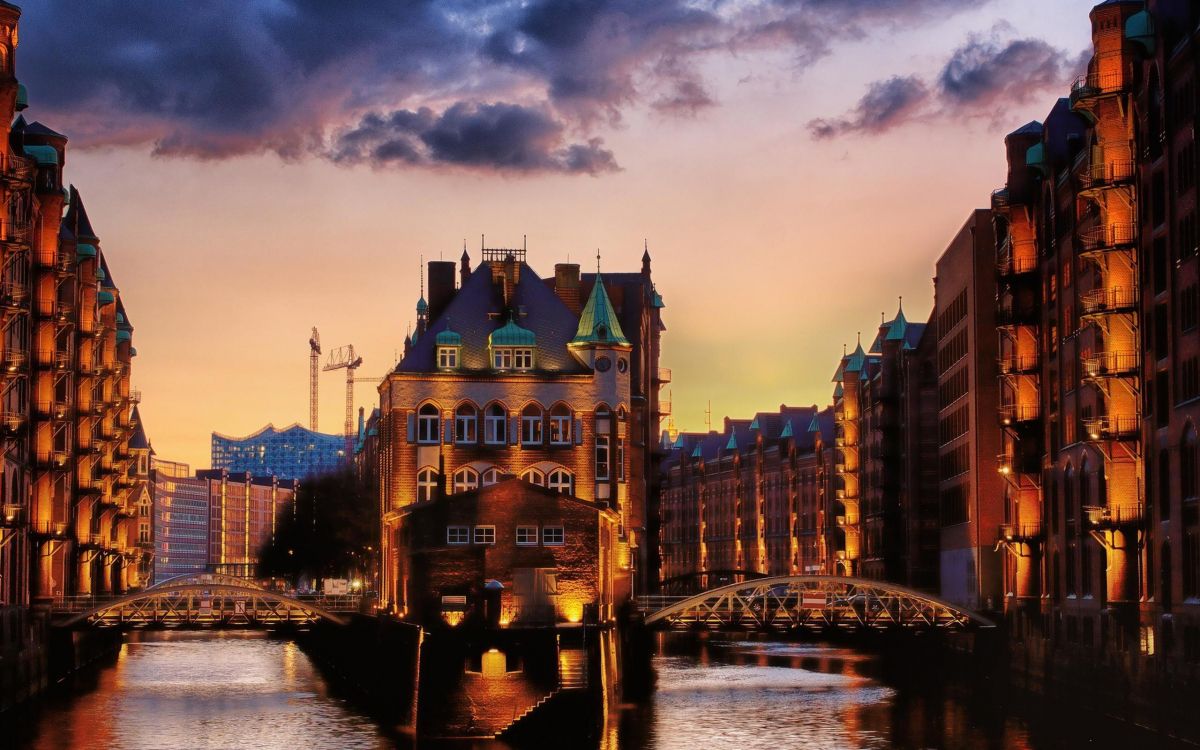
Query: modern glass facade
{"type": "Point", "coordinates": [291, 453]}
{"type": "Point", "coordinates": [180, 526]}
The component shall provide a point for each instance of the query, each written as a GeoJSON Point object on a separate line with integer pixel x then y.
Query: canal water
{"type": "Point", "coordinates": [249, 690]}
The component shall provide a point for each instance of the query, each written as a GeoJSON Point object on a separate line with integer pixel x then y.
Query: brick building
{"type": "Point", "coordinates": [510, 375]}
{"type": "Point", "coordinates": [243, 512]}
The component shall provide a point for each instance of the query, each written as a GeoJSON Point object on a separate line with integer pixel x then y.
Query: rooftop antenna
{"type": "Point", "coordinates": [524, 242]}
{"type": "Point", "coordinates": [597, 261]}
{"type": "Point", "coordinates": [708, 417]}
{"type": "Point", "coordinates": [482, 242]}
{"type": "Point", "coordinates": [421, 273]}
{"type": "Point", "coordinates": [901, 303]}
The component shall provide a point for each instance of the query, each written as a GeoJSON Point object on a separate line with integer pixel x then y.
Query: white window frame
{"type": "Point", "coordinates": [530, 534]}
{"type": "Point", "coordinates": [429, 425]}
{"type": "Point", "coordinates": [448, 357]}
{"type": "Point", "coordinates": [427, 479]}
{"type": "Point", "coordinates": [458, 535]}
{"type": "Point", "coordinates": [603, 458]}
{"type": "Point", "coordinates": [490, 477]}
{"type": "Point", "coordinates": [484, 535]}
{"type": "Point", "coordinates": [495, 426]}
{"type": "Point", "coordinates": [464, 427]}
{"type": "Point", "coordinates": [554, 536]}
{"type": "Point", "coordinates": [465, 480]}
{"type": "Point", "coordinates": [534, 477]}
{"type": "Point", "coordinates": [561, 481]}
{"type": "Point", "coordinates": [531, 429]}
{"type": "Point", "coordinates": [522, 358]}
{"type": "Point", "coordinates": [560, 428]}
{"type": "Point", "coordinates": [502, 358]}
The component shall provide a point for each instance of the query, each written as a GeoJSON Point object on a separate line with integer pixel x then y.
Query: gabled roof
{"type": "Point", "coordinates": [37, 128]}
{"type": "Point", "coordinates": [856, 360]}
{"type": "Point", "coordinates": [1032, 127]}
{"type": "Point", "coordinates": [598, 323]}
{"type": "Point", "coordinates": [138, 440]}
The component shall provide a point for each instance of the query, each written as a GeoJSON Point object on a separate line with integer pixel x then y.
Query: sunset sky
{"type": "Point", "coordinates": [256, 168]}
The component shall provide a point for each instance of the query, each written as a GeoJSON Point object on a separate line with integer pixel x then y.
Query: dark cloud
{"type": "Point", "coordinates": [885, 105]}
{"type": "Point", "coordinates": [505, 137]}
{"type": "Point", "coordinates": [983, 74]}
{"type": "Point", "coordinates": [222, 79]}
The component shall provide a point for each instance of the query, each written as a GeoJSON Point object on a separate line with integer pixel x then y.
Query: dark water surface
{"type": "Point", "coordinates": [234, 690]}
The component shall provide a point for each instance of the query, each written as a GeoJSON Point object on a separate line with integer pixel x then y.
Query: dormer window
{"type": "Point", "coordinates": [447, 357]}
{"type": "Point", "coordinates": [512, 347]}
{"type": "Point", "coordinates": [502, 359]}
{"type": "Point", "coordinates": [523, 359]}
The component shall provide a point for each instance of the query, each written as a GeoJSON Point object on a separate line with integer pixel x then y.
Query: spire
{"type": "Point", "coordinates": [899, 328]}
{"type": "Point", "coordinates": [645, 258]}
{"type": "Point", "coordinates": [464, 266]}
{"type": "Point", "coordinates": [598, 323]}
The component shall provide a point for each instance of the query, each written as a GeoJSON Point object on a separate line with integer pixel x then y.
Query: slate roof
{"type": "Point", "coordinates": [477, 310]}
{"type": "Point", "coordinates": [138, 440]}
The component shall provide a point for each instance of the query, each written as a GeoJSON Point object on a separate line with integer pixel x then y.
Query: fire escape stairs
{"type": "Point", "coordinates": [572, 678]}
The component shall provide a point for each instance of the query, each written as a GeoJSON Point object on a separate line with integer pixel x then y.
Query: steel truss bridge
{"type": "Point", "coordinates": [813, 602]}
{"type": "Point", "coordinates": [203, 600]}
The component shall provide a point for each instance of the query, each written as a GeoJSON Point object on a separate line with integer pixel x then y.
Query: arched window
{"type": "Point", "coordinates": [428, 424]}
{"type": "Point", "coordinates": [560, 425]}
{"type": "Point", "coordinates": [531, 425]}
{"type": "Point", "coordinates": [494, 422]}
{"type": "Point", "coordinates": [561, 481]}
{"type": "Point", "coordinates": [1187, 465]}
{"type": "Point", "coordinates": [533, 476]}
{"type": "Point", "coordinates": [465, 421]}
{"type": "Point", "coordinates": [465, 479]}
{"type": "Point", "coordinates": [427, 482]}
{"type": "Point", "coordinates": [1164, 566]}
{"type": "Point", "coordinates": [491, 476]}
{"type": "Point", "coordinates": [1069, 494]}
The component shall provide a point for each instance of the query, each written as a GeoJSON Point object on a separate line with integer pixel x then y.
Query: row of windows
{"type": "Point", "coordinates": [468, 478]}
{"type": "Point", "coordinates": [953, 351]}
{"type": "Point", "coordinates": [953, 388]}
{"type": "Point", "coordinates": [526, 536]}
{"type": "Point", "coordinates": [503, 358]}
{"type": "Point", "coordinates": [536, 425]}
{"type": "Point", "coordinates": [954, 312]}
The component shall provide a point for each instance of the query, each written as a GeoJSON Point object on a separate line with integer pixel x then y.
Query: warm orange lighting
{"type": "Point", "coordinates": [495, 663]}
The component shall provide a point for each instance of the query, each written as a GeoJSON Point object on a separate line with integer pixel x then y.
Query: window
{"type": "Point", "coordinates": [485, 534]}
{"type": "Point", "coordinates": [502, 359]}
{"type": "Point", "coordinates": [561, 481]}
{"type": "Point", "coordinates": [533, 476]}
{"type": "Point", "coordinates": [553, 536]}
{"type": "Point", "coordinates": [621, 459]}
{"type": "Point", "coordinates": [465, 419]}
{"type": "Point", "coordinates": [602, 457]}
{"type": "Point", "coordinates": [531, 425]}
{"type": "Point", "coordinates": [523, 359]}
{"type": "Point", "coordinates": [527, 536]}
{"type": "Point", "coordinates": [448, 357]}
{"type": "Point", "coordinates": [427, 481]}
{"type": "Point", "coordinates": [560, 425]}
{"type": "Point", "coordinates": [494, 423]}
{"type": "Point", "coordinates": [465, 479]}
{"type": "Point", "coordinates": [428, 423]}
{"type": "Point", "coordinates": [491, 476]}
{"type": "Point", "coordinates": [458, 535]}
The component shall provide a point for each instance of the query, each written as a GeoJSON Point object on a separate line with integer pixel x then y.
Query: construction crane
{"type": "Point", "coordinates": [314, 359]}
{"type": "Point", "coordinates": [344, 357]}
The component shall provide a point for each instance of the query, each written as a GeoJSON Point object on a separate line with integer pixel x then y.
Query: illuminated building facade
{"type": "Point", "coordinates": [243, 512]}
{"type": "Point", "coordinates": [293, 452]}
{"type": "Point", "coordinates": [180, 520]}
{"type": "Point", "coordinates": [549, 381]}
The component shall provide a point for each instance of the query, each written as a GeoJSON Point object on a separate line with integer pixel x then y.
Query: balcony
{"type": "Point", "coordinates": [1019, 364]}
{"type": "Point", "coordinates": [48, 529]}
{"type": "Point", "coordinates": [53, 459]}
{"type": "Point", "coordinates": [13, 514]}
{"type": "Point", "coordinates": [1096, 85]}
{"type": "Point", "coordinates": [16, 171]}
{"type": "Point", "coordinates": [1012, 466]}
{"type": "Point", "coordinates": [13, 361]}
{"type": "Point", "coordinates": [1116, 516]}
{"type": "Point", "coordinates": [1001, 200]}
{"type": "Point", "coordinates": [1118, 364]}
{"type": "Point", "coordinates": [13, 296]}
{"type": "Point", "coordinates": [1019, 414]}
{"type": "Point", "coordinates": [91, 487]}
{"type": "Point", "coordinates": [1108, 237]}
{"type": "Point", "coordinates": [1008, 315]}
{"type": "Point", "coordinates": [663, 376]}
{"type": "Point", "coordinates": [1016, 257]}
{"type": "Point", "coordinates": [11, 423]}
{"type": "Point", "coordinates": [1101, 429]}
{"type": "Point", "coordinates": [664, 407]}
{"type": "Point", "coordinates": [51, 359]}
{"type": "Point", "coordinates": [1108, 301]}
{"type": "Point", "coordinates": [1108, 174]}
{"type": "Point", "coordinates": [1020, 532]}
{"type": "Point", "coordinates": [57, 410]}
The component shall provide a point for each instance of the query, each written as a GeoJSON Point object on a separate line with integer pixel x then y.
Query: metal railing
{"type": "Point", "coordinates": [1000, 199]}
{"type": "Point", "coordinates": [1016, 256]}
{"type": "Point", "coordinates": [1110, 364]}
{"type": "Point", "coordinates": [1106, 300]}
{"type": "Point", "coordinates": [12, 514]}
{"type": "Point", "coordinates": [1018, 413]}
{"type": "Point", "coordinates": [1019, 532]}
{"type": "Point", "coordinates": [13, 360]}
{"type": "Point", "coordinates": [48, 528]}
{"type": "Point", "coordinates": [1013, 364]}
{"type": "Point", "coordinates": [1097, 84]}
{"type": "Point", "coordinates": [1111, 427]}
{"type": "Point", "coordinates": [15, 169]}
{"type": "Point", "coordinates": [1115, 515]}
{"type": "Point", "coordinates": [1108, 236]}
{"type": "Point", "coordinates": [663, 375]}
{"type": "Point", "coordinates": [1111, 172]}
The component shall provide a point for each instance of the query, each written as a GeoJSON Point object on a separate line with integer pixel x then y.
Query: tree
{"type": "Point", "coordinates": [332, 532]}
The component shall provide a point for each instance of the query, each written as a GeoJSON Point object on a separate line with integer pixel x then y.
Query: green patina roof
{"type": "Point", "coordinates": [124, 336]}
{"type": "Point", "coordinates": [598, 324]}
{"type": "Point", "coordinates": [899, 327]}
{"type": "Point", "coordinates": [105, 298]}
{"type": "Point", "coordinates": [754, 424]}
{"type": "Point", "coordinates": [657, 300]}
{"type": "Point", "coordinates": [787, 430]}
{"type": "Point", "coordinates": [1139, 28]}
{"type": "Point", "coordinates": [22, 97]}
{"type": "Point", "coordinates": [132, 352]}
{"type": "Point", "coordinates": [696, 453]}
{"type": "Point", "coordinates": [448, 338]}
{"type": "Point", "coordinates": [100, 274]}
{"type": "Point", "coordinates": [815, 424]}
{"type": "Point", "coordinates": [86, 250]}
{"type": "Point", "coordinates": [1036, 156]}
{"type": "Point", "coordinates": [422, 305]}
{"type": "Point", "coordinates": [42, 154]}
{"type": "Point", "coordinates": [678, 441]}
{"type": "Point", "coordinates": [732, 444]}
{"type": "Point", "coordinates": [837, 391]}
{"type": "Point", "coordinates": [511, 334]}
{"type": "Point", "coordinates": [120, 318]}
{"type": "Point", "coordinates": [855, 362]}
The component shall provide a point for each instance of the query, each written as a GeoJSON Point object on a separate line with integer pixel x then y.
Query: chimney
{"type": "Point", "coordinates": [441, 286]}
{"type": "Point", "coordinates": [566, 285]}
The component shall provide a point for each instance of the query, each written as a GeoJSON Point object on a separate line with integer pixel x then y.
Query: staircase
{"type": "Point", "coordinates": [572, 679]}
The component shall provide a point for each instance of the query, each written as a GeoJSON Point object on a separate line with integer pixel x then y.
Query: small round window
{"type": "Point", "coordinates": [622, 364]}
{"type": "Point", "coordinates": [602, 364]}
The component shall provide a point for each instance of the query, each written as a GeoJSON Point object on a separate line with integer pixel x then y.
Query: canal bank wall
{"type": "Point", "coordinates": [34, 655]}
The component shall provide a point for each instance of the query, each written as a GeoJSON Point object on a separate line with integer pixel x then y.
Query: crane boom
{"type": "Point", "coordinates": [314, 359]}
{"type": "Point", "coordinates": [344, 357]}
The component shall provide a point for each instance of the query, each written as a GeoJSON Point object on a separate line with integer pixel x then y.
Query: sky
{"type": "Point", "coordinates": [255, 168]}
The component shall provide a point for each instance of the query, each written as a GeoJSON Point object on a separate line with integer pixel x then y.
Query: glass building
{"type": "Point", "coordinates": [291, 453]}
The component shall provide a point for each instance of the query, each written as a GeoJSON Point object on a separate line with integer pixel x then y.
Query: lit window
{"type": "Point", "coordinates": [428, 423]}
{"type": "Point", "coordinates": [560, 480]}
{"type": "Point", "coordinates": [465, 479]}
{"type": "Point", "coordinates": [458, 535]}
{"type": "Point", "coordinates": [527, 536]}
{"type": "Point", "coordinates": [448, 357]}
{"type": "Point", "coordinates": [491, 476]}
{"type": "Point", "coordinates": [621, 460]}
{"type": "Point", "coordinates": [523, 359]}
{"type": "Point", "coordinates": [602, 457]}
{"type": "Point", "coordinates": [531, 425]}
{"type": "Point", "coordinates": [502, 358]}
{"type": "Point", "coordinates": [427, 480]}
{"type": "Point", "coordinates": [494, 425]}
{"type": "Point", "coordinates": [533, 476]}
{"type": "Point", "coordinates": [560, 425]}
{"type": "Point", "coordinates": [485, 534]}
{"type": "Point", "coordinates": [465, 419]}
{"type": "Point", "coordinates": [553, 536]}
